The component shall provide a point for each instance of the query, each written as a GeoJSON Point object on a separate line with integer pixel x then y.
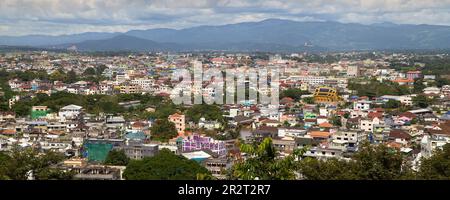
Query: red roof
{"type": "Point", "coordinates": [372, 115]}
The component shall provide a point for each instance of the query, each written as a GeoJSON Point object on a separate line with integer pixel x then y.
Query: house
{"type": "Point", "coordinates": [138, 150]}
{"type": "Point", "coordinates": [399, 136]}
{"type": "Point", "coordinates": [407, 82]}
{"type": "Point", "coordinates": [179, 121]}
{"type": "Point", "coordinates": [242, 120]}
{"type": "Point", "coordinates": [209, 125]}
{"type": "Point", "coordinates": [197, 143]}
{"type": "Point", "coordinates": [38, 112]}
{"type": "Point", "coordinates": [362, 105]}
{"type": "Point", "coordinates": [324, 152]}
{"type": "Point", "coordinates": [115, 122]}
{"type": "Point", "coordinates": [285, 145]}
{"type": "Point", "coordinates": [347, 138]}
{"type": "Point", "coordinates": [216, 166]}
{"type": "Point", "coordinates": [270, 123]}
{"type": "Point", "coordinates": [368, 124]}
{"type": "Point", "coordinates": [7, 116]}
{"type": "Point", "coordinates": [70, 111]}
{"type": "Point", "coordinates": [411, 75]}
{"type": "Point", "coordinates": [436, 137]}
{"type": "Point", "coordinates": [405, 99]}
{"type": "Point", "coordinates": [291, 132]}
{"type": "Point", "coordinates": [431, 91]}
{"type": "Point", "coordinates": [446, 116]}
{"type": "Point", "coordinates": [320, 135]}
{"type": "Point", "coordinates": [430, 117]}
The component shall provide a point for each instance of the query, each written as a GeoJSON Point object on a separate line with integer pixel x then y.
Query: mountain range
{"type": "Point", "coordinates": [267, 35]}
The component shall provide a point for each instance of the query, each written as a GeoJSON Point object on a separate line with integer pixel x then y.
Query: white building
{"type": "Point", "coordinates": [404, 99]}
{"type": "Point", "coordinates": [362, 105]}
{"type": "Point", "coordinates": [145, 84]}
{"type": "Point", "coordinates": [431, 90]}
{"type": "Point", "coordinates": [70, 111]}
{"type": "Point", "coordinates": [353, 70]}
{"type": "Point", "coordinates": [368, 124]}
{"type": "Point", "coordinates": [311, 80]}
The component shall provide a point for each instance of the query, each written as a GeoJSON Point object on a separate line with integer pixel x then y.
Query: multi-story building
{"type": "Point", "coordinates": [353, 70]}
{"type": "Point", "coordinates": [413, 74]}
{"type": "Point", "coordinates": [128, 88]}
{"type": "Point", "coordinates": [144, 84]}
{"type": "Point", "coordinates": [139, 150]}
{"type": "Point", "coordinates": [326, 95]}
{"type": "Point", "coordinates": [311, 80]}
{"type": "Point", "coordinates": [179, 121]}
{"type": "Point", "coordinates": [197, 143]}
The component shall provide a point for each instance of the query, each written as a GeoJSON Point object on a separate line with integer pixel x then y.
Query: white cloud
{"type": "Point", "coordinates": [20, 17]}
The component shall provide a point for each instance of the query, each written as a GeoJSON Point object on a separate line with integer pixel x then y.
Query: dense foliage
{"type": "Point", "coordinates": [371, 162]}
{"type": "Point", "coordinates": [262, 163]}
{"type": "Point", "coordinates": [209, 112]}
{"type": "Point", "coordinates": [117, 157]}
{"type": "Point", "coordinates": [437, 166]}
{"type": "Point", "coordinates": [164, 166]}
{"type": "Point", "coordinates": [21, 163]}
{"type": "Point", "coordinates": [374, 88]}
{"type": "Point", "coordinates": [163, 130]}
{"type": "Point", "coordinates": [293, 93]}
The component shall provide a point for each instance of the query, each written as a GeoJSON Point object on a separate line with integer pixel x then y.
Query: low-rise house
{"type": "Point", "coordinates": [436, 137]}
{"type": "Point", "coordinates": [70, 111]}
{"type": "Point", "coordinates": [400, 136]}
{"type": "Point", "coordinates": [197, 143]}
{"type": "Point", "coordinates": [285, 145]}
{"type": "Point", "coordinates": [138, 150]}
{"type": "Point", "coordinates": [208, 124]}
{"type": "Point", "coordinates": [7, 116]}
{"type": "Point", "coordinates": [179, 121]}
{"type": "Point", "coordinates": [217, 166]}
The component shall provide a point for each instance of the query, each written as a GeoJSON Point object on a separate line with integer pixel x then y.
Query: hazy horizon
{"type": "Point", "coordinates": [57, 17]}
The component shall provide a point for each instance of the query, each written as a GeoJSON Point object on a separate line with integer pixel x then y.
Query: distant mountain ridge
{"type": "Point", "coordinates": [267, 35]}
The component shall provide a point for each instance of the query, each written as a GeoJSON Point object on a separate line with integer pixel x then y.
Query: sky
{"type": "Point", "coordinates": [57, 17]}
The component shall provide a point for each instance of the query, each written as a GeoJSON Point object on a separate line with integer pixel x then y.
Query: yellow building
{"type": "Point", "coordinates": [326, 95]}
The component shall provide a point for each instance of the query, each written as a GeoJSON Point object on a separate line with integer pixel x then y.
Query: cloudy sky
{"type": "Point", "coordinates": [55, 17]}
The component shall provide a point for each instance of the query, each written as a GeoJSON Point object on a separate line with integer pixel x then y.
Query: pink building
{"type": "Point", "coordinates": [197, 143]}
{"type": "Point", "coordinates": [413, 74]}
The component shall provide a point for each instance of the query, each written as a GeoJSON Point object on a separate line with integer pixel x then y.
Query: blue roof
{"type": "Point", "coordinates": [139, 135]}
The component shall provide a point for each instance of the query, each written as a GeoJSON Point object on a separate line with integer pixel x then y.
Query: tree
{"type": "Point", "coordinates": [369, 163]}
{"type": "Point", "coordinates": [165, 166]}
{"type": "Point", "coordinates": [436, 167]}
{"type": "Point", "coordinates": [209, 112]}
{"type": "Point", "coordinates": [392, 104]}
{"type": "Point", "coordinates": [163, 130]}
{"type": "Point", "coordinates": [293, 93]}
{"type": "Point", "coordinates": [21, 163]}
{"type": "Point", "coordinates": [380, 163]}
{"type": "Point", "coordinates": [418, 86]}
{"type": "Point", "coordinates": [421, 101]}
{"type": "Point", "coordinates": [89, 71]}
{"type": "Point", "coordinates": [330, 169]}
{"type": "Point", "coordinates": [336, 120]}
{"type": "Point", "coordinates": [262, 163]}
{"type": "Point", "coordinates": [374, 88]}
{"type": "Point", "coordinates": [117, 157]}
{"type": "Point", "coordinates": [71, 77]}
{"type": "Point", "coordinates": [308, 100]}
